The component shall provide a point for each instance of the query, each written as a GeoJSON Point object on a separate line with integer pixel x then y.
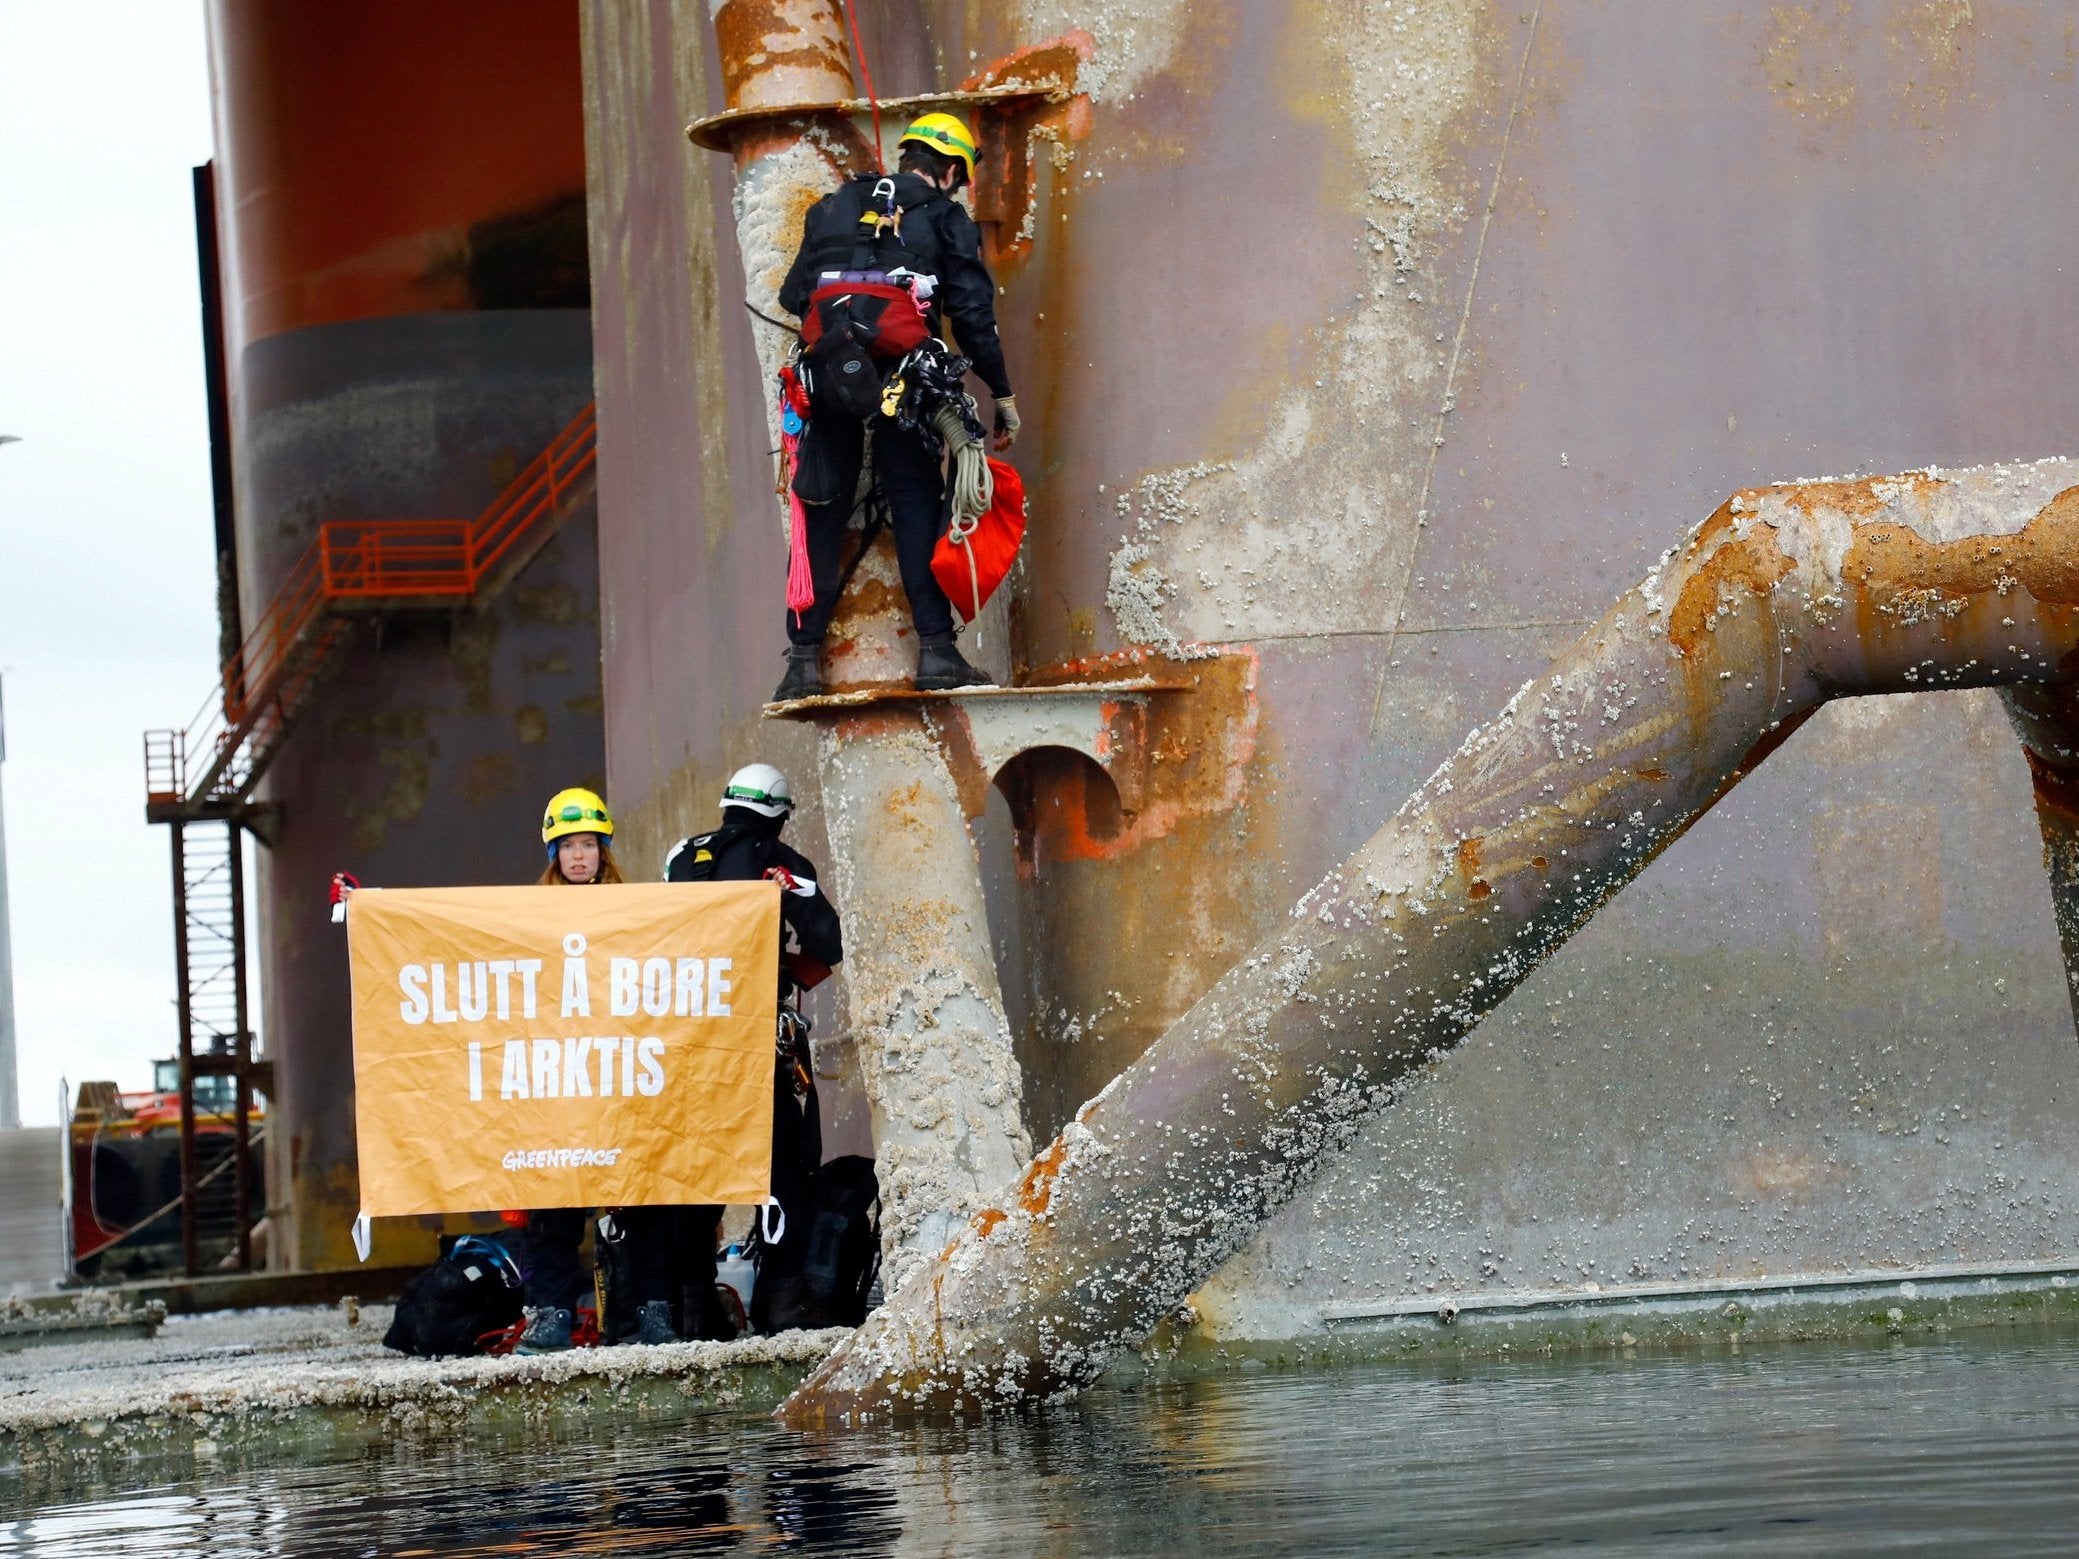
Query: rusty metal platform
{"type": "Point", "coordinates": [718, 132]}
{"type": "Point", "coordinates": [851, 699]}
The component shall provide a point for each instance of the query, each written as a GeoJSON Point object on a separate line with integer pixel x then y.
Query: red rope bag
{"type": "Point", "coordinates": [970, 565]}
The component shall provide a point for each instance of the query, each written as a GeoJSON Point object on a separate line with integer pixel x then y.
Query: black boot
{"type": "Point", "coordinates": [804, 678]}
{"type": "Point", "coordinates": [548, 1331]}
{"type": "Point", "coordinates": [707, 1322]}
{"type": "Point", "coordinates": [941, 666]}
{"type": "Point", "coordinates": [653, 1324]}
{"type": "Point", "coordinates": [790, 1307]}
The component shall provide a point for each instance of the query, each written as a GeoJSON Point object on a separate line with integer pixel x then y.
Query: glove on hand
{"type": "Point", "coordinates": [1007, 423]}
{"type": "Point", "coordinates": [782, 876]}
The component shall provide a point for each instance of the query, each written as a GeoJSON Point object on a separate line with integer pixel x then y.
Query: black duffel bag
{"type": "Point", "coordinates": [460, 1304]}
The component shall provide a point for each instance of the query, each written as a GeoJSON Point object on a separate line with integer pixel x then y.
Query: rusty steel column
{"type": "Point", "coordinates": [926, 1011]}
{"type": "Point", "coordinates": [925, 1008]}
{"type": "Point", "coordinates": [776, 55]}
{"type": "Point", "coordinates": [1786, 597]}
{"type": "Point", "coordinates": [405, 310]}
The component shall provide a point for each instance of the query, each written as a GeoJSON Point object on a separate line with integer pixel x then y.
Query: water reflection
{"type": "Point", "coordinates": [1957, 1449]}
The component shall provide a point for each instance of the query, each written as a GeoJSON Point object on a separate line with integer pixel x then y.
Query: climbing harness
{"type": "Point", "coordinates": [881, 213]}
{"type": "Point", "coordinates": [936, 375]}
{"type": "Point", "coordinates": [880, 318]}
{"type": "Point", "coordinates": [791, 1043]}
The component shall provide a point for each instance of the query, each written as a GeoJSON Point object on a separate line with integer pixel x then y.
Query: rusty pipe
{"type": "Point", "coordinates": [925, 1008]}
{"type": "Point", "coordinates": [1786, 597]}
{"type": "Point", "coordinates": [926, 1011]}
{"type": "Point", "coordinates": [778, 54]}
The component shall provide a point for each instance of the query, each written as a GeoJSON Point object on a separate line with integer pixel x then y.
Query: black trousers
{"type": "Point", "coordinates": [910, 478]}
{"type": "Point", "coordinates": [551, 1274]}
{"type": "Point", "coordinates": [671, 1250]}
{"type": "Point", "coordinates": [671, 1256]}
{"type": "Point", "coordinates": [797, 1153]}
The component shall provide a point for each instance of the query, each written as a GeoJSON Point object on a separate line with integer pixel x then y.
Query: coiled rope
{"type": "Point", "coordinates": [973, 486]}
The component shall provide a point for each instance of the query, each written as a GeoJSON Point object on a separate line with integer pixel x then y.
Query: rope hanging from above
{"type": "Point", "coordinates": [873, 99]}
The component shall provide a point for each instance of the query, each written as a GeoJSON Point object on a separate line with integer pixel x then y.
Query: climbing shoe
{"type": "Point", "coordinates": [653, 1324]}
{"type": "Point", "coordinates": [941, 666]}
{"type": "Point", "coordinates": [804, 678]}
{"type": "Point", "coordinates": [548, 1331]}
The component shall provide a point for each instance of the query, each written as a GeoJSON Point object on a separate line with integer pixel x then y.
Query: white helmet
{"type": "Point", "coordinates": [760, 787]}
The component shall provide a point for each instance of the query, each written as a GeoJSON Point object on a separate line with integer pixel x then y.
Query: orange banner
{"type": "Point", "coordinates": [555, 1047]}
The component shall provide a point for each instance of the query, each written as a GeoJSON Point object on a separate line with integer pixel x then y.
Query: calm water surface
{"type": "Point", "coordinates": [1967, 1448]}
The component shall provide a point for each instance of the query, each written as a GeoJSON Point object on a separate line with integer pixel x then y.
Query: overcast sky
{"type": "Point", "coordinates": [107, 614]}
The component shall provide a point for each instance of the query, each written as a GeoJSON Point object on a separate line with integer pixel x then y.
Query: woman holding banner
{"type": "Point", "coordinates": [577, 831]}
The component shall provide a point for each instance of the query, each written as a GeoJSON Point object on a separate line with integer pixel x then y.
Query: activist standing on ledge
{"type": "Point", "coordinates": [747, 847]}
{"type": "Point", "coordinates": [884, 261]}
{"type": "Point", "coordinates": [577, 831]}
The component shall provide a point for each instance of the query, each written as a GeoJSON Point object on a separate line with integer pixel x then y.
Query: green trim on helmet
{"type": "Point", "coordinates": [943, 137]}
{"type": "Point", "coordinates": [947, 137]}
{"type": "Point", "coordinates": [575, 810]}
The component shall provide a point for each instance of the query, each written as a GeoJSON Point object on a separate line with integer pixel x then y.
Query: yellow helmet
{"type": "Point", "coordinates": [575, 811]}
{"type": "Point", "coordinates": [946, 134]}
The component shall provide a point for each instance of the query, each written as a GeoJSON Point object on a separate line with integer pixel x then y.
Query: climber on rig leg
{"type": "Point", "coordinates": [884, 260]}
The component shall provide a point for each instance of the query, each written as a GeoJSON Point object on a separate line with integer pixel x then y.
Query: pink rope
{"type": "Point", "coordinates": [801, 583]}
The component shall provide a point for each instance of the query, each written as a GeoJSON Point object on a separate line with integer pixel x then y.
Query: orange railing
{"type": "Point", "coordinates": [218, 754]}
{"type": "Point", "coordinates": [379, 559]}
{"type": "Point", "coordinates": [405, 559]}
{"type": "Point", "coordinates": [199, 761]}
{"type": "Point", "coordinates": [535, 493]}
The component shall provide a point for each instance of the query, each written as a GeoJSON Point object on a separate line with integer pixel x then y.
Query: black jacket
{"type": "Point", "coordinates": [811, 941]}
{"type": "Point", "coordinates": [938, 238]}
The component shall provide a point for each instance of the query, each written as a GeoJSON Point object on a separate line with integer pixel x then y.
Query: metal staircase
{"type": "Point", "coordinates": [200, 779]}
